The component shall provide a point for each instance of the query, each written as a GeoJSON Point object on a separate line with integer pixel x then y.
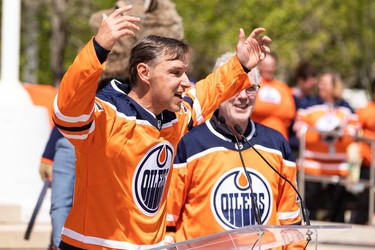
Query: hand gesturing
{"type": "Point", "coordinates": [115, 26]}
{"type": "Point", "coordinates": [253, 49]}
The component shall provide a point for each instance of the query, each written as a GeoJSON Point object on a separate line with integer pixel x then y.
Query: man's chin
{"type": "Point", "coordinates": [241, 116]}
{"type": "Point", "coordinates": [175, 108]}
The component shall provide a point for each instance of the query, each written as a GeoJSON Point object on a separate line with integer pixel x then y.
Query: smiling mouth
{"type": "Point", "coordinates": [243, 106]}
{"type": "Point", "coordinates": [178, 95]}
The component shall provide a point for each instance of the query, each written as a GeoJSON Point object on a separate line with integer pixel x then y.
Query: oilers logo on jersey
{"type": "Point", "coordinates": [151, 176]}
{"type": "Point", "coordinates": [231, 198]}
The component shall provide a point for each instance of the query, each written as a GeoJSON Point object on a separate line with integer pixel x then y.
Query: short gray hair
{"type": "Point", "coordinates": [254, 74]}
{"type": "Point", "coordinates": [223, 59]}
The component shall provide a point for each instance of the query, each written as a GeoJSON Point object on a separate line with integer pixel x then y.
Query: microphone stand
{"type": "Point", "coordinates": [303, 206]}
{"type": "Point", "coordinates": [253, 200]}
{"type": "Point", "coordinates": [304, 210]}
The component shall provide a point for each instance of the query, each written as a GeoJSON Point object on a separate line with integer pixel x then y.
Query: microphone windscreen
{"type": "Point", "coordinates": [238, 129]}
{"type": "Point", "coordinates": [222, 119]}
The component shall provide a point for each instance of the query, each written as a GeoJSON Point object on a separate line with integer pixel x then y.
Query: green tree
{"type": "Point", "coordinates": [334, 34]}
{"type": "Point", "coordinates": [63, 29]}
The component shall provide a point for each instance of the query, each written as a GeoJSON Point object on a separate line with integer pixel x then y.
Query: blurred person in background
{"type": "Point", "coordinates": [274, 106]}
{"type": "Point", "coordinates": [333, 124]}
{"type": "Point", "coordinates": [304, 95]}
{"type": "Point", "coordinates": [306, 80]}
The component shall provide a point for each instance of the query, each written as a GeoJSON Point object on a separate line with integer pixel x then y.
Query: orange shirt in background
{"type": "Point", "coordinates": [274, 106]}
{"type": "Point", "coordinates": [324, 157]}
{"type": "Point", "coordinates": [42, 95]}
{"type": "Point", "coordinates": [366, 118]}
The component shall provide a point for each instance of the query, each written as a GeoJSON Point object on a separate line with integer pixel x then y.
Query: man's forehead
{"type": "Point", "coordinates": [178, 63]}
{"type": "Point", "coordinates": [174, 58]}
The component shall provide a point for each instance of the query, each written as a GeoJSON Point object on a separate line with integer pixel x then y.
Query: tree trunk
{"type": "Point", "coordinates": [31, 32]}
{"type": "Point", "coordinates": [58, 39]}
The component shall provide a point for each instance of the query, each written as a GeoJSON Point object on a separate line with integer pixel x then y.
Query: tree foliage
{"type": "Point", "coordinates": [71, 19]}
{"type": "Point", "coordinates": [332, 34]}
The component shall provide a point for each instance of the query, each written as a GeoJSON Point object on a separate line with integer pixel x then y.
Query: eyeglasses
{"type": "Point", "coordinates": [252, 89]}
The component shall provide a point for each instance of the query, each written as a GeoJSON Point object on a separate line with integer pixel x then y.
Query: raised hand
{"type": "Point", "coordinates": [115, 26]}
{"type": "Point", "coordinates": [253, 49]}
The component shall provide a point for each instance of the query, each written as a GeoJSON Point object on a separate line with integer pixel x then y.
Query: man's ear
{"type": "Point", "coordinates": [143, 72]}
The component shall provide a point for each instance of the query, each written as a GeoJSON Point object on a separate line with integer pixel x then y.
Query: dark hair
{"type": "Point", "coordinates": [304, 71]}
{"type": "Point", "coordinates": [151, 48]}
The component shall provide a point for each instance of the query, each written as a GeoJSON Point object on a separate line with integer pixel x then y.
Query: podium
{"type": "Point", "coordinates": [259, 237]}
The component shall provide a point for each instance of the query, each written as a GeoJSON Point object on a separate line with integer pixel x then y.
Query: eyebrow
{"type": "Point", "coordinates": [183, 66]}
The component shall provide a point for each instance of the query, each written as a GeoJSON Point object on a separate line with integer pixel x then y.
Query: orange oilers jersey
{"type": "Point", "coordinates": [366, 117]}
{"type": "Point", "coordinates": [324, 157]}
{"type": "Point", "coordinates": [209, 192]}
{"type": "Point", "coordinates": [274, 106]}
{"type": "Point", "coordinates": [124, 152]}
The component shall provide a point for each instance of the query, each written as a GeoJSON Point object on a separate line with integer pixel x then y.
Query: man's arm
{"type": "Point", "coordinates": [74, 104]}
{"type": "Point", "coordinates": [228, 79]}
{"type": "Point", "coordinates": [217, 87]}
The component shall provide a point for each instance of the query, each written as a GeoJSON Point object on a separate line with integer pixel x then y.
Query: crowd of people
{"type": "Point", "coordinates": [152, 159]}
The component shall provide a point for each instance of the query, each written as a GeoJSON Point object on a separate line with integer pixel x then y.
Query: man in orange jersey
{"type": "Point", "coordinates": [209, 191]}
{"type": "Point", "coordinates": [158, 23]}
{"type": "Point", "coordinates": [125, 135]}
{"type": "Point", "coordinates": [274, 106]}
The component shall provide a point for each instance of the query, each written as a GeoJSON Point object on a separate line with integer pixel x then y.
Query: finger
{"type": "Point", "coordinates": [43, 176]}
{"type": "Point", "coordinates": [241, 35]}
{"type": "Point", "coordinates": [126, 32]}
{"type": "Point", "coordinates": [266, 40]}
{"type": "Point", "coordinates": [262, 56]}
{"type": "Point", "coordinates": [266, 49]}
{"type": "Point", "coordinates": [126, 28]}
{"type": "Point", "coordinates": [131, 26]}
{"type": "Point", "coordinates": [104, 17]}
{"type": "Point", "coordinates": [121, 11]}
{"type": "Point", "coordinates": [130, 19]}
{"type": "Point", "coordinates": [256, 32]}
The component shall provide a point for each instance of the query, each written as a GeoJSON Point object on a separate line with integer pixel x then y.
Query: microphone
{"type": "Point", "coordinates": [253, 200]}
{"type": "Point", "coordinates": [303, 206]}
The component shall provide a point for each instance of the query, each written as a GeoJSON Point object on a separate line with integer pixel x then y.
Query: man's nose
{"type": "Point", "coordinates": [185, 82]}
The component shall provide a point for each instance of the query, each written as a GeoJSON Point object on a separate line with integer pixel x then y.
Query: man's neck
{"type": "Point", "coordinates": [144, 101]}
